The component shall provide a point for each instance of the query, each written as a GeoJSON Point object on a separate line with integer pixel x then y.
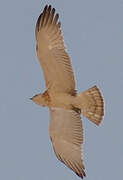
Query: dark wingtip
{"type": "Point", "coordinates": [49, 7]}
{"type": "Point", "coordinates": [53, 10]}
{"type": "Point", "coordinates": [57, 16]}
{"type": "Point", "coordinates": [45, 7]}
{"type": "Point", "coordinates": [81, 175]}
{"type": "Point", "coordinates": [59, 24]}
{"type": "Point", "coordinates": [38, 22]}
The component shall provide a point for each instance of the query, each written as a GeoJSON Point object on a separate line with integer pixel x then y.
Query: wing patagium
{"type": "Point", "coordinates": [52, 54]}
{"type": "Point", "coordinates": [66, 133]}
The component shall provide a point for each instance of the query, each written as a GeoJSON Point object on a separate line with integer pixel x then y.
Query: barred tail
{"type": "Point", "coordinates": [91, 104]}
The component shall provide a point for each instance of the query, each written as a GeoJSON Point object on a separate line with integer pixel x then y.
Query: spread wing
{"type": "Point", "coordinates": [52, 54]}
{"type": "Point", "coordinates": [67, 137]}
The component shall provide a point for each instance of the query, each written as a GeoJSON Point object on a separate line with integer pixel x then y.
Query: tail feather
{"type": "Point", "coordinates": [91, 104]}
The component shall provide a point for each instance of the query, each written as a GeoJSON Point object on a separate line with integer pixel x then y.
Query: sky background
{"type": "Point", "coordinates": [93, 34]}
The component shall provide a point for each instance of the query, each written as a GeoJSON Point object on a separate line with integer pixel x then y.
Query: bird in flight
{"type": "Point", "coordinates": [64, 103]}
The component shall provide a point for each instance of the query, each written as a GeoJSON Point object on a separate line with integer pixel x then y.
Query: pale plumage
{"type": "Point", "coordinates": [52, 54]}
{"type": "Point", "coordinates": [65, 105]}
{"type": "Point", "coordinates": [66, 133]}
